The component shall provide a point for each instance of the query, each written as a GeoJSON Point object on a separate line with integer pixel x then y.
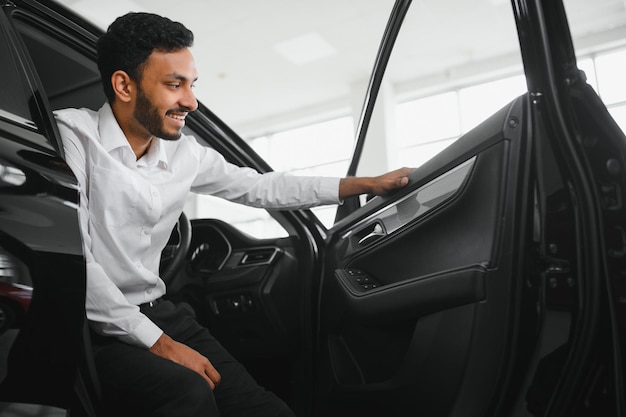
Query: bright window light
{"type": "Point", "coordinates": [479, 102]}
{"type": "Point", "coordinates": [610, 68]}
{"type": "Point", "coordinates": [588, 67]}
{"type": "Point", "coordinates": [619, 115]}
{"type": "Point", "coordinates": [317, 145]}
{"type": "Point", "coordinates": [250, 220]}
{"type": "Point", "coordinates": [428, 119]}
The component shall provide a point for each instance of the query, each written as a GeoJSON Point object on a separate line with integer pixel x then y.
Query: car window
{"type": "Point", "coordinates": [70, 77]}
{"type": "Point", "coordinates": [431, 95]}
{"type": "Point", "coordinates": [15, 93]}
{"type": "Point", "coordinates": [28, 90]}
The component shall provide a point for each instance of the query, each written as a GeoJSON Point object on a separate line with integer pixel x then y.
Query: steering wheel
{"type": "Point", "coordinates": [173, 254]}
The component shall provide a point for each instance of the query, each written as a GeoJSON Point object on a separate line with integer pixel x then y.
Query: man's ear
{"type": "Point", "coordinates": [123, 86]}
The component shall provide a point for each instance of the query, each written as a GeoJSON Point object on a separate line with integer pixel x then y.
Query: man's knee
{"type": "Point", "coordinates": [194, 397]}
{"type": "Point", "coordinates": [181, 392]}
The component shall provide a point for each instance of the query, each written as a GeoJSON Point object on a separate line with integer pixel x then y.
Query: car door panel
{"type": "Point", "coordinates": [412, 297]}
{"type": "Point", "coordinates": [416, 307]}
{"type": "Point", "coordinates": [469, 211]}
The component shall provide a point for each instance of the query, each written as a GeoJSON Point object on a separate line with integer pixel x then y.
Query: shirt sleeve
{"type": "Point", "coordinates": [108, 311]}
{"type": "Point", "coordinates": [272, 190]}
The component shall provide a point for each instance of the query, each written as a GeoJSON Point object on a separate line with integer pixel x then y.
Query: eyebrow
{"type": "Point", "coordinates": [181, 77]}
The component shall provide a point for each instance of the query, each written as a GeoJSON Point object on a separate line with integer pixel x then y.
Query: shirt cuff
{"type": "Point", "coordinates": [329, 190]}
{"type": "Point", "coordinates": [145, 334]}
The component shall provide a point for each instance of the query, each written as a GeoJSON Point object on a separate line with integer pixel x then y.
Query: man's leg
{"type": "Point", "coordinates": [238, 394]}
{"type": "Point", "coordinates": [135, 382]}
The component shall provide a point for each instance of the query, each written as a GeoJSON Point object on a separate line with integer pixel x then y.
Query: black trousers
{"type": "Point", "coordinates": [135, 382]}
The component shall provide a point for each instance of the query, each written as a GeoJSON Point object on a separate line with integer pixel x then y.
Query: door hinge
{"type": "Point", "coordinates": [559, 283]}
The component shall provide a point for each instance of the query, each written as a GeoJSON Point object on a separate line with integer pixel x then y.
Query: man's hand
{"type": "Point", "coordinates": [183, 355]}
{"type": "Point", "coordinates": [380, 185]}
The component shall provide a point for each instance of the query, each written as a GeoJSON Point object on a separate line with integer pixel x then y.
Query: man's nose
{"type": "Point", "coordinates": [189, 100]}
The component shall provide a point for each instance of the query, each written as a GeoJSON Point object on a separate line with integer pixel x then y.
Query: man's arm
{"type": "Point", "coordinates": [380, 185]}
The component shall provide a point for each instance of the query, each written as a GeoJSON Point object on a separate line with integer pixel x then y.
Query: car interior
{"type": "Point", "coordinates": [416, 301]}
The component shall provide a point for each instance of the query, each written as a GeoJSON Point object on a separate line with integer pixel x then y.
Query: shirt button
{"type": "Point", "coordinates": [149, 291]}
{"type": "Point", "coordinates": [146, 231]}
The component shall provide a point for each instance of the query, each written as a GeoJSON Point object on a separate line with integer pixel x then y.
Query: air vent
{"type": "Point", "coordinates": [259, 256]}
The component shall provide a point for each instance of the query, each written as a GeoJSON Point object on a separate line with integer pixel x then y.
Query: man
{"type": "Point", "coordinates": [135, 168]}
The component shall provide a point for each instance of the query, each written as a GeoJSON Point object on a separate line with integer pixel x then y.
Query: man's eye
{"type": "Point", "coordinates": [174, 85]}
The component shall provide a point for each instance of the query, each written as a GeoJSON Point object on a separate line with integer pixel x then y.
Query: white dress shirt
{"type": "Point", "coordinates": [129, 207]}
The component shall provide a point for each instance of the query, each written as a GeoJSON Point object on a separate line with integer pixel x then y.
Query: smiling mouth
{"type": "Point", "coordinates": [179, 118]}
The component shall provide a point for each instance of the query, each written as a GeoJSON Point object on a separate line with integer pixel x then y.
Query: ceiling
{"type": "Point", "coordinates": [262, 63]}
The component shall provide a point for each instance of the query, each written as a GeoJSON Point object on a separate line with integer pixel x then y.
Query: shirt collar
{"type": "Point", "coordinates": [114, 141]}
{"type": "Point", "coordinates": [156, 155]}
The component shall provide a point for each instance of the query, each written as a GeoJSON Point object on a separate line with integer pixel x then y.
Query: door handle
{"type": "Point", "coordinates": [376, 233]}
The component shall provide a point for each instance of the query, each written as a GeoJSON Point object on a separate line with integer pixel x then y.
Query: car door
{"type": "Point", "coordinates": [581, 147]}
{"type": "Point", "coordinates": [465, 293]}
{"type": "Point", "coordinates": [39, 235]}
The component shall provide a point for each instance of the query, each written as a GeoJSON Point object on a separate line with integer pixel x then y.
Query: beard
{"type": "Point", "coordinates": [148, 116]}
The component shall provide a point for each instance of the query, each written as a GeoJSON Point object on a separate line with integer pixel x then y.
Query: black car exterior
{"type": "Point", "coordinates": [451, 311]}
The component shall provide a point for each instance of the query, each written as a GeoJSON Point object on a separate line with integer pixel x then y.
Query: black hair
{"type": "Point", "coordinates": [129, 41]}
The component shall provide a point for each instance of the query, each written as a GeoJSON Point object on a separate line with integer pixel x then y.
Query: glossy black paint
{"type": "Point", "coordinates": [38, 225]}
{"type": "Point", "coordinates": [585, 243]}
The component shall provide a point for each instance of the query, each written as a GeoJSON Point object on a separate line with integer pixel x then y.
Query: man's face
{"type": "Point", "coordinates": [164, 95]}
